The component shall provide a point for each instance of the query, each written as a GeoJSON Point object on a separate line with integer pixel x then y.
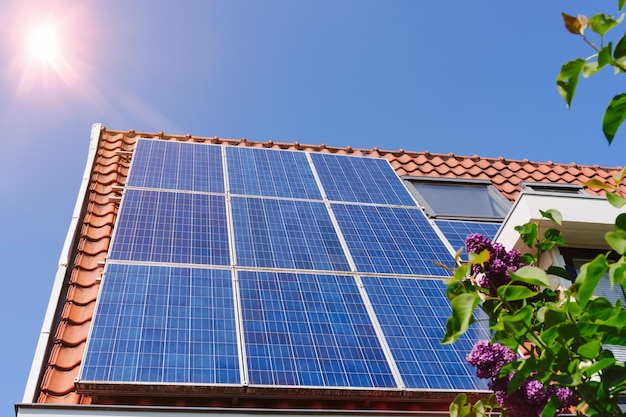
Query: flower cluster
{"type": "Point", "coordinates": [530, 399]}
{"type": "Point", "coordinates": [496, 269]}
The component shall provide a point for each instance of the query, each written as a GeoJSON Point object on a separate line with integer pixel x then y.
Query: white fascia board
{"type": "Point", "coordinates": [64, 260]}
{"type": "Point", "coordinates": [585, 219]}
{"type": "Point", "coordinates": [51, 410]}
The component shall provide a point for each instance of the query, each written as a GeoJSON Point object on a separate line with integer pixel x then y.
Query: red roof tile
{"type": "Point", "coordinates": [109, 172]}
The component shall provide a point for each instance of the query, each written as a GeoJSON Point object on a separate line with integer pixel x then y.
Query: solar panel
{"type": "Point", "coordinates": [309, 330]}
{"type": "Point", "coordinates": [392, 240]}
{"type": "Point", "coordinates": [177, 166]}
{"type": "Point", "coordinates": [164, 324]}
{"type": "Point", "coordinates": [159, 226]}
{"type": "Point", "coordinates": [412, 314]}
{"type": "Point", "coordinates": [165, 317]}
{"type": "Point", "coordinates": [362, 180]}
{"type": "Point", "coordinates": [286, 234]}
{"type": "Point", "coordinates": [262, 172]}
{"type": "Point", "coordinates": [457, 231]}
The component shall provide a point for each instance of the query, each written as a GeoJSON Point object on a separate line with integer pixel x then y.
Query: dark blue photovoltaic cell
{"type": "Point", "coordinates": [361, 180]}
{"type": "Point", "coordinates": [413, 313]}
{"type": "Point", "coordinates": [392, 240]}
{"type": "Point", "coordinates": [164, 324]}
{"type": "Point", "coordinates": [457, 231]}
{"type": "Point", "coordinates": [177, 166]}
{"type": "Point", "coordinates": [158, 226]}
{"type": "Point", "coordinates": [270, 173]}
{"type": "Point", "coordinates": [309, 330]}
{"type": "Point", "coordinates": [285, 234]}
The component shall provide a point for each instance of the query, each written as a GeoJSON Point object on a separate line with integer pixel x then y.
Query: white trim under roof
{"type": "Point", "coordinates": [37, 367]}
{"type": "Point", "coordinates": [586, 219]}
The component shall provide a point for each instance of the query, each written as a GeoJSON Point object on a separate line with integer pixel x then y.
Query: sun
{"type": "Point", "coordinates": [43, 45]}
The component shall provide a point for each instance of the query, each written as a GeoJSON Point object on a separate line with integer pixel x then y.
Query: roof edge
{"type": "Point", "coordinates": [56, 301]}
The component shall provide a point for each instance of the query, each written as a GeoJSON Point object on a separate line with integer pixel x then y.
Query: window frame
{"type": "Point", "coordinates": [553, 187]}
{"type": "Point", "coordinates": [493, 194]}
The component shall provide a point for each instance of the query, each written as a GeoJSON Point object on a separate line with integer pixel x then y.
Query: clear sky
{"type": "Point", "coordinates": [463, 77]}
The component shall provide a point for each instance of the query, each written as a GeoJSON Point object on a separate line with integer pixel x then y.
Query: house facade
{"type": "Point", "coordinates": [218, 276]}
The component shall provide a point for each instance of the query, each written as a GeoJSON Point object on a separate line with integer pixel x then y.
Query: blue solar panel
{"type": "Point", "coordinates": [157, 226]}
{"type": "Point", "coordinates": [457, 231]}
{"type": "Point", "coordinates": [309, 330]}
{"type": "Point", "coordinates": [286, 234]}
{"type": "Point", "coordinates": [177, 166]}
{"type": "Point", "coordinates": [263, 172]}
{"type": "Point", "coordinates": [412, 314]}
{"type": "Point", "coordinates": [361, 180]}
{"type": "Point", "coordinates": [392, 240]}
{"type": "Point", "coordinates": [164, 324]}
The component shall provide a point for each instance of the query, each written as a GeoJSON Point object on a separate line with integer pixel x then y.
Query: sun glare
{"type": "Point", "coordinates": [44, 45]}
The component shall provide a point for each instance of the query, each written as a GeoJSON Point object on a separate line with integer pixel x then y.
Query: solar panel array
{"type": "Point", "coordinates": [456, 231]}
{"type": "Point", "coordinates": [246, 266]}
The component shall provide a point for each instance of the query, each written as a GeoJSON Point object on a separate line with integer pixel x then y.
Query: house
{"type": "Point", "coordinates": [216, 276]}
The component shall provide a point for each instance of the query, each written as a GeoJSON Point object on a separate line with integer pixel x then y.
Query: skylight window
{"type": "Point", "coordinates": [459, 199]}
{"type": "Point", "coordinates": [551, 187]}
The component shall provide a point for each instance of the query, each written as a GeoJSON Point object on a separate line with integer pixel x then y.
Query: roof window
{"type": "Point", "coordinates": [459, 199]}
{"type": "Point", "coordinates": [552, 187]}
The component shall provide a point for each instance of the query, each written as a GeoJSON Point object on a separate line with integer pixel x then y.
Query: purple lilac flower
{"type": "Point", "coordinates": [489, 358]}
{"type": "Point", "coordinates": [496, 269]}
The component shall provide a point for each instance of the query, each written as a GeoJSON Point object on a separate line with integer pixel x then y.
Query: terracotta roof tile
{"type": "Point", "coordinates": [111, 168]}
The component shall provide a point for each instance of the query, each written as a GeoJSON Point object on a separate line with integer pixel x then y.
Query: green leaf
{"type": "Point", "coordinates": [597, 184]}
{"type": "Point", "coordinates": [590, 350]}
{"type": "Point", "coordinates": [531, 275]}
{"type": "Point", "coordinates": [616, 241]}
{"type": "Point", "coordinates": [458, 407]}
{"type": "Point", "coordinates": [550, 409]}
{"type": "Point", "coordinates": [528, 233]}
{"type": "Point", "coordinates": [463, 307]}
{"type": "Point", "coordinates": [604, 56]}
{"type": "Point", "coordinates": [515, 292]}
{"type": "Point", "coordinates": [554, 235]}
{"type": "Point", "coordinates": [620, 175]}
{"type": "Point", "coordinates": [598, 366]}
{"type": "Point", "coordinates": [620, 5]}
{"type": "Point", "coordinates": [559, 272]}
{"type": "Point", "coordinates": [615, 200]}
{"type": "Point", "coordinates": [617, 273]}
{"type": "Point", "coordinates": [620, 222]}
{"type": "Point", "coordinates": [479, 258]}
{"type": "Point", "coordinates": [567, 80]}
{"type": "Point", "coordinates": [620, 48]}
{"type": "Point", "coordinates": [588, 278]}
{"type": "Point", "coordinates": [552, 214]}
{"type": "Point", "coordinates": [602, 23]}
{"type": "Point", "coordinates": [614, 116]}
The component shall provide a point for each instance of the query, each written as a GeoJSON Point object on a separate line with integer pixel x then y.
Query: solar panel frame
{"type": "Point", "coordinates": [309, 330]}
{"type": "Point", "coordinates": [360, 180]}
{"type": "Point", "coordinates": [195, 341]}
{"type": "Point", "coordinates": [392, 240]}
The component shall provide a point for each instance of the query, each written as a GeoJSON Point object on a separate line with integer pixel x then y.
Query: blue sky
{"type": "Point", "coordinates": [462, 77]}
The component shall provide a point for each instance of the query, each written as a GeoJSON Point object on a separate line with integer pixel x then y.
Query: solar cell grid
{"type": "Point", "coordinates": [271, 173]}
{"type": "Point", "coordinates": [156, 226]}
{"type": "Point", "coordinates": [412, 314]}
{"type": "Point", "coordinates": [164, 324]}
{"type": "Point", "coordinates": [285, 234]}
{"type": "Point", "coordinates": [309, 330]}
{"type": "Point", "coordinates": [391, 240]}
{"type": "Point", "coordinates": [177, 166]}
{"type": "Point", "coordinates": [457, 231]}
{"type": "Point", "coordinates": [362, 180]}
